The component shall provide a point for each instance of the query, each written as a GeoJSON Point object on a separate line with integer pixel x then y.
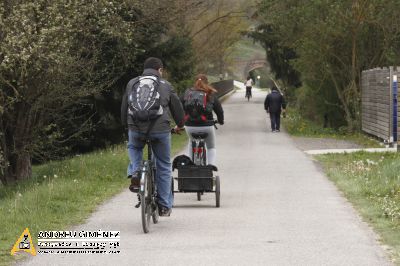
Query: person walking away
{"type": "Point", "coordinates": [145, 109]}
{"type": "Point", "coordinates": [199, 102]}
{"type": "Point", "coordinates": [274, 104]}
{"type": "Point", "coordinates": [249, 85]}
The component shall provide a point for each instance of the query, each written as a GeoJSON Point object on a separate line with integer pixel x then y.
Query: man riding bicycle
{"type": "Point", "coordinates": [151, 119]}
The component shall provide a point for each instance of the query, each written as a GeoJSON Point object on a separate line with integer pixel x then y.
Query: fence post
{"type": "Point", "coordinates": [394, 89]}
{"type": "Point", "coordinates": [391, 114]}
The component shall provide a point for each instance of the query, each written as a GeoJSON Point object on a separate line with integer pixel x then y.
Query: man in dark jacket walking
{"type": "Point", "coordinates": [158, 130]}
{"type": "Point", "coordinates": [275, 103]}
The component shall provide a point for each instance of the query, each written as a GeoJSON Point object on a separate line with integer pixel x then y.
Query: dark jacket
{"type": "Point", "coordinates": [217, 108]}
{"type": "Point", "coordinates": [169, 101]}
{"type": "Point", "coordinates": [274, 102]}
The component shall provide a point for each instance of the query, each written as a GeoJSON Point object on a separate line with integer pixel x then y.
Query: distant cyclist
{"type": "Point", "coordinates": [249, 84]}
{"type": "Point", "coordinates": [145, 108]}
{"type": "Point", "coordinates": [199, 102]}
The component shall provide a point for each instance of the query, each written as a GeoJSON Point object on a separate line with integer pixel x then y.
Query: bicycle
{"type": "Point", "coordinates": [248, 93]}
{"type": "Point", "coordinates": [147, 194]}
{"type": "Point", "coordinates": [199, 158]}
{"type": "Point", "coordinates": [194, 175]}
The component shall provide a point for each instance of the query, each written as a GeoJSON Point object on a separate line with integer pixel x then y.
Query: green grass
{"type": "Point", "coordinates": [300, 127]}
{"type": "Point", "coordinates": [371, 182]}
{"type": "Point", "coordinates": [62, 194]}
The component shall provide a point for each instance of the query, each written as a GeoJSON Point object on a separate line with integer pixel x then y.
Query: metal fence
{"type": "Point", "coordinates": [379, 103]}
{"type": "Point", "coordinates": [223, 87]}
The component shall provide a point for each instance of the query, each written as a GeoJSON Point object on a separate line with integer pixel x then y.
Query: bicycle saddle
{"type": "Point", "coordinates": [145, 139]}
{"type": "Point", "coordinates": [199, 135]}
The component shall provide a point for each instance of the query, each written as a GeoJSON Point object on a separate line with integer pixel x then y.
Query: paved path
{"type": "Point", "coordinates": [277, 208]}
{"type": "Point", "coordinates": [306, 143]}
{"type": "Point", "coordinates": [328, 151]}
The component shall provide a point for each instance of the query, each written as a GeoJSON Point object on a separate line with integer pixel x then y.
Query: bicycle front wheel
{"type": "Point", "coordinates": [155, 214]}
{"type": "Point", "coordinates": [145, 199]}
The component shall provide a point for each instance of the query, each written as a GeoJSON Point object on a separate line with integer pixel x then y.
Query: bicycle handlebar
{"type": "Point", "coordinates": [215, 122]}
{"type": "Point", "coordinates": [174, 132]}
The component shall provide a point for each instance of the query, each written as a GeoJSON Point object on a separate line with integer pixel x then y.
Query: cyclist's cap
{"type": "Point", "coordinates": [153, 63]}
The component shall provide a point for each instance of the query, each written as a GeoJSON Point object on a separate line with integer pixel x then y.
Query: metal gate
{"type": "Point", "coordinates": [379, 103]}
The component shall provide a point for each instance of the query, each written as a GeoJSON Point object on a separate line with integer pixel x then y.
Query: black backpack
{"type": "Point", "coordinates": [196, 106]}
{"type": "Point", "coordinates": [144, 100]}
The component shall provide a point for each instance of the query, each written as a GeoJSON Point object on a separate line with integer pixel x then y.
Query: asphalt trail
{"type": "Point", "coordinates": [277, 208]}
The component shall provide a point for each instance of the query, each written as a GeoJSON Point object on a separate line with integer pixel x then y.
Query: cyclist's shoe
{"type": "Point", "coordinates": [135, 183]}
{"type": "Point", "coordinates": [164, 211]}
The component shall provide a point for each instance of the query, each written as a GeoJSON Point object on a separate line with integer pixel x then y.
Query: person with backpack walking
{"type": "Point", "coordinates": [145, 109]}
{"type": "Point", "coordinates": [274, 104]}
{"type": "Point", "coordinates": [199, 102]}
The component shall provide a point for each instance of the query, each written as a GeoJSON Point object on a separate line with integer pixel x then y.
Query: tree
{"type": "Point", "coordinates": [53, 55]}
{"type": "Point", "coordinates": [333, 42]}
{"type": "Point", "coordinates": [280, 57]}
{"type": "Point", "coordinates": [213, 27]}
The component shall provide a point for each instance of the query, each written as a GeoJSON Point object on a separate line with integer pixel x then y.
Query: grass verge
{"type": "Point", "coordinates": [62, 194]}
{"type": "Point", "coordinates": [300, 127]}
{"type": "Point", "coordinates": [371, 182]}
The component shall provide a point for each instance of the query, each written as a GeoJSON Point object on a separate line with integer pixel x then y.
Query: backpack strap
{"type": "Point", "coordinates": [153, 122]}
{"type": "Point", "coordinates": [139, 77]}
{"type": "Point", "coordinates": [136, 82]}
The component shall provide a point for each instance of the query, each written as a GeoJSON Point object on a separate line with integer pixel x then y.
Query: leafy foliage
{"type": "Point", "coordinates": [57, 62]}
{"type": "Point", "coordinates": [329, 44]}
{"type": "Point", "coordinates": [279, 56]}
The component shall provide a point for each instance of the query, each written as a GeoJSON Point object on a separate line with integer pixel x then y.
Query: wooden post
{"type": "Point", "coordinates": [394, 89]}
{"type": "Point", "coordinates": [391, 107]}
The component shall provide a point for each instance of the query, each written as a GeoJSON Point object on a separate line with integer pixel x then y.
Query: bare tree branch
{"type": "Point", "coordinates": [229, 14]}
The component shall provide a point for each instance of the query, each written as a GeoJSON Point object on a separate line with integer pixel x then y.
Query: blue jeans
{"type": "Point", "coordinates": [162, 157]}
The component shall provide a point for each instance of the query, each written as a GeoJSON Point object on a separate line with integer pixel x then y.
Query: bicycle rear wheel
{"type": "Point", "coordinates": [145, 199]}
{"type": "Point", "coordinates": [217, 192]}
{"type": "Point", "coordinates": [204, 158]}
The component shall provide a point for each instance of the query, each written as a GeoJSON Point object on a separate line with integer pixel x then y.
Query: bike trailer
{"type": "Point", "coordinates": [195, 178]}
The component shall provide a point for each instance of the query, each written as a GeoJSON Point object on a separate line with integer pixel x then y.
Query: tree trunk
{"type": "Point", "coordinates": [19, 168]}
{"type": "Point", "coordinates": [23, 168]}
{"type": "Point", "coordinates": [344, 102]}
{"type": "Point", "coordinates": [3, 155]}
{"type": "Point", "coordinates": [15, 141]}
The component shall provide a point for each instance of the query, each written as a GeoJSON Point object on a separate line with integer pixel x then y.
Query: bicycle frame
{"type": "Point", "coordinates": [199, 152]}
{"type": "Point", "coordinates": [248, 94]}
{"type": "Point", "coordinates": [147, 167]}
{"type": "Point", "coordinates": [148, 190]}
